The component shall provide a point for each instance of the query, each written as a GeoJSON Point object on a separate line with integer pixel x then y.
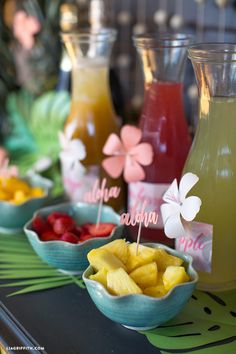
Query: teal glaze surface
{"type": "Point", "coordinates": [13, 217]}
{"type": "Point", "coordinates": [142, 312]}
{"type": "Point", "coordinates": [66, 256]}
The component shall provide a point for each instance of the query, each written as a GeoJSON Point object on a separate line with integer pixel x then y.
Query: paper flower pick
{"type": "Point", "coordinates": [73, 150]}
{"type": "Point", "coordinates": [179, 210]}
{"type": "Point", "coordinates": [24, 28]}
{"type": "Point", "coordinates": [127, 154]}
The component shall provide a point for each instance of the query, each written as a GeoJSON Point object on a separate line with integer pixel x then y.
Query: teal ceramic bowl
{"type": "Point", "coordinates": [142, 312]}
{"type": "Point", "coordinates": [67, 257]}
{"type": "Point", "coordinates": [13, 217]}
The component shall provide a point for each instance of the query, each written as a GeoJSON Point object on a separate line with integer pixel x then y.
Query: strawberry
{"type": "Point", "coordinates": [56, 215]}
{"type": "Point", "coordinates": [86, 226]}
{"type": "Point", "coordinates": [39, 225]}
{"type": "Point", "coordinates": [77, 230]}
{"type": "Point", "coordinates": [103, 229]}
{"type": "Point", "coordinates": [63, 224]}
{"type": "Point", "coordinates": [84, 237]}
{"type": "Point", "coordinates": [48, 236]}
{"type": "Point", "coordinates": [69, 237]}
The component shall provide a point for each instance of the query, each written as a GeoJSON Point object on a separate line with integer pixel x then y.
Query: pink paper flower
{"type": "Point", "coordinates": [127, 154]}
{"type": "Point", "coordinates": [24, 28]}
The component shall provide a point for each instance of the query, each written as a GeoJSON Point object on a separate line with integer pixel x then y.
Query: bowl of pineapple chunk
{"type": "Point", "coordinates": [140, 289]}
{"type": "Point", "coordinates": [20, 198]}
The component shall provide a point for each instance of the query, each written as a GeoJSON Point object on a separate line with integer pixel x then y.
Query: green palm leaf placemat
{"type": "Point", "coordinates": [21, 267]}
{"type": "Point", "coordinates": [207, 325]}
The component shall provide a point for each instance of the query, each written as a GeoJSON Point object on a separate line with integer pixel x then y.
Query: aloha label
{"type": "Point", "coordinates": [139, 215]}
{"type": "Point", "coordinates": [100, 192]}
{"type": "Point", "coordinates": [152, 193]}
{"type": "Point", "coordinates": [199, 245]}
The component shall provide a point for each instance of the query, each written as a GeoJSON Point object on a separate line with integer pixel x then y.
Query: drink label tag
{"type": "Point", "coordinates": [199, 245]}
{"type": "Point", "coordinates": [152, 193]}
{"type": "Point", "coordinates": [76, 184]}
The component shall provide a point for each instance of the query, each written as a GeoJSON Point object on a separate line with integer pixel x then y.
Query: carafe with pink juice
{"type": "Point", "coordinates": [162, 121]}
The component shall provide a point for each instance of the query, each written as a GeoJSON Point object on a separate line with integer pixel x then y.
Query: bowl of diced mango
{"type": "Point", "coordinates": [20, 198]}
{"type": "Point", "coordinates": [140, 288]}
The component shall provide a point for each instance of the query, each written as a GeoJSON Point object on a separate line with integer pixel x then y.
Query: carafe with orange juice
{"type": "Point", "coordinates": [213, 159]}
{"type": "Point", "coordinates": [91, 105]}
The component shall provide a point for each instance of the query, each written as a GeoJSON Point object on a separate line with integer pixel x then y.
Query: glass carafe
{"type": "Point", "coordinates": [213, 157]}
{"type": "Point", "coordinates": [162, 120]}
{"type": "Point", "coordinates": [91, 103]}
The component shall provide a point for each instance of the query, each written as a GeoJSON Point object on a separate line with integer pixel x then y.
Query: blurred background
{"type": "Point", "coordinates": [33, 61]}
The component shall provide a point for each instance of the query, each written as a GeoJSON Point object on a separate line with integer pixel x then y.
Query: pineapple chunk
{"type": "Point", "coordinates": [155, 291]}
{"type": "Point", "coordinates": [100, 276]}
{"type": "Point", "coordinates": [145, 275]}
{"type": "Point", "coordinates": [14, 184]}
{"type": "Point", "coordinates": [174, 275]}
{"type": "Point", "coordinates": [120, 283]}
{"type": "Point", "coordinates": [37, 192]}
{"type": "Point", "coordinates": [165, 259]}
{"type": "Point", "coordinates": [119, 248]}
{"type": "Point", "coordinates": [145, 255]}
{"type": "Point", "coordinates": [159, 278]}
{"type": "Point", "coordinates": [100, 258]}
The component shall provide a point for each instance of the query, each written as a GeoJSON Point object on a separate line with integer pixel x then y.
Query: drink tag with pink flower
{"type": "Point", "coordinates": [178, 213]}
{"type": "Point", "coordinates": [152, 193]}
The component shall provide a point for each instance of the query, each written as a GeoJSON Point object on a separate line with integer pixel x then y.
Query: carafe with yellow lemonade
{"type": "Point", "coordinates": [91, 105]}
{"type": "Point", "coordinates": [213, 159]}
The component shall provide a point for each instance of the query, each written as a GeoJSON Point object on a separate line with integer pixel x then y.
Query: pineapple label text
{"type": "Point", "coordinates": [198, 244]}
{"type": "Point", "coordinates": [101, 193]}
{"type": "Point", "coordinates": [188, 243]}
{"type": "Point", "coordinates": [139, 215]}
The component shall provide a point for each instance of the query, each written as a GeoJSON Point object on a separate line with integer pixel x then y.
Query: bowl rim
{"type": "Point", "coordinates": [185, 256]}
{"type": "Point", "coordinates": [31, 233]}
{"type": "Point", "coordinates": [48, 186]}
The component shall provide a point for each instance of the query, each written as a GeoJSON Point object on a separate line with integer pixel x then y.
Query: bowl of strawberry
{"type": "Point", "coordinates": [62, 235]}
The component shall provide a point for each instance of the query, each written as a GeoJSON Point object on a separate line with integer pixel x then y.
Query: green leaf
{"type": "Point", "coordinates": [33, 281]}
{"type": "Point", "coordinates": [20, 138]}
{"type": "Point", "coordinates": [23, 266]}
{"type": "Point", "coordinates": [29, 140]}
{"type": "Point", "coordinates": [17, 238]}
{"type": "Point", "coordinates": [25, 275]}
{"type": "Point", "coordinates": [206, 325]}
{"type": "Point", "coordinates": [28, 267]}
{"type": "Point", "coordinates": [19, 257]}
{"type": "Point", "coordinates": [40, 287]}
{"type": "Point", "coordinates": [17, 250]}
{"type": "Point", "coordinates": [79, 282]}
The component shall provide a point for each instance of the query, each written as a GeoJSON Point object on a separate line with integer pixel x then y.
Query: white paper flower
{"type": "Point", "coordinates": [179, 211]}
{"type": "Point", "coordinates": [73, 150]}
